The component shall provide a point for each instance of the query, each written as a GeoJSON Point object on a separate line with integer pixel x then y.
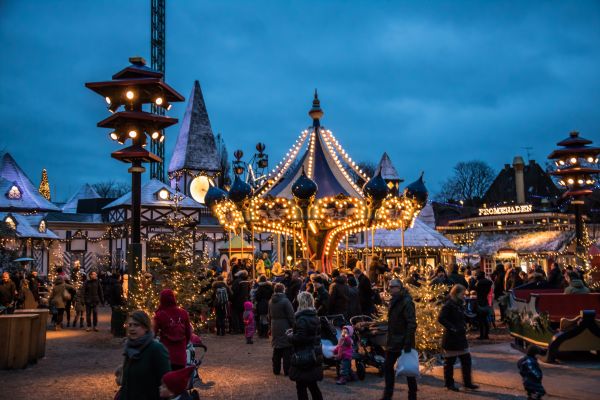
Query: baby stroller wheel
{"type": "Point", "coordinates": [361, 370]}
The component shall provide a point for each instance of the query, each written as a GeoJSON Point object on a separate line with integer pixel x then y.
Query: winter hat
{"type": "Point", "coordinates": [167, 298]}
{"type": "Point", "coordinates": [177, 381]}
{"type": "Point", "coordinates": [248, 306]}
{"type": "Point", "coordinates": [141, 318]}
{"type": "Point", "coordinates": [349, 328]}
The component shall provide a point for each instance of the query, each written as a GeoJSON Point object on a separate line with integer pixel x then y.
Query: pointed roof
{"type": "Point", "coordinates": [388, 171]}
{"type": "Point", "coordinates": [195, 148]}
{"type": "Point", "coordinates": [150, 198]}
{"type": "Point", "coordinates": [84, 192]}
{"type": "Point", "coordinates": [29, 199]}
{"type": "Point", "coordinates": [324, 161]}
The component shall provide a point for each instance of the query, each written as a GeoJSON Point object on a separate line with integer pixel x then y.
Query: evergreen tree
{"type": "Point", "coordinates": [44, 188]}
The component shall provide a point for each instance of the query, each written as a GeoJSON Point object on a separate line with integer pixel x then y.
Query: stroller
{"type": "Point", "coordinates": [196, 351]}
{"type": "Point", "coordinates": [369, 337]}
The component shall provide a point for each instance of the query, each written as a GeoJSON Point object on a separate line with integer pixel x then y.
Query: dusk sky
{"type": "Point", "coordinates": [431, 83]}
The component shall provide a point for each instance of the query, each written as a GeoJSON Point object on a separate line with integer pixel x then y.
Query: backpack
{"type": "Point", "coordinates": [221, 297]}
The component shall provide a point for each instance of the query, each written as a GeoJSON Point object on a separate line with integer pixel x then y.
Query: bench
{"type": "Point", "coordinates": [525, 294]}
{"type": "Point", "coordinates": [577, 334]}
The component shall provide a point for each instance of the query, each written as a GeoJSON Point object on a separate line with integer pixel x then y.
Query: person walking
{"type": "Point", "coordinates": [365, 292]}
{"type": "Point", "coordinates": [34, 286]}
{"type": "Point", "coordinates": [240, 289]}
{"type": "Point", "coordinates": [249, 322]}
{"type": "Point", "coordinates": [261, 298]}
{"type": "Point", "coordinates": [454, 339]}
{"type": "Point", "coordinates": [69, 303]}
{"type": "Point", "coordinates": [498, 279]}
{"type": "Point", "coordinates": [321, 296]}
{"type": "Point", "coordinates": [402, 327]}
{"type": "Point", "coordinates": [58, 298]}
{"type": "Point", "coordinates": [306, 366]}
{"type": "Point", "coordinates": [80, 302]}
{"type": "Point", "coordinates": [483, 287]}
{"type": "Point", "coordinates": [93, 297]}
{"type": "Point", "coordinates": [531, 373]}
{"type": "Point", "coordinates": [8, 293]}
{"type": "Point", "coordinates": [339, 296]}
{"type": "Point", "coordinates": [220, 301]}
{"type": "Point", "coordinates": [281, 317]}
{"type": "Point", "coordinates": [146, 360]}
{"type": "Point", "coordinates": [172, 326]}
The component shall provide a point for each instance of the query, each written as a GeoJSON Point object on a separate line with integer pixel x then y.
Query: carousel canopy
{"type": "Point", "coordinates": [420, 235]}
{"type": "Point", "coordinates": [488, 244]}
{"type": "Point", "coordinates": [323, 159]}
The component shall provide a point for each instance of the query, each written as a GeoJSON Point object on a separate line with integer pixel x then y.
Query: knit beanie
{"type": "Point", "coordinates": [177, 381]}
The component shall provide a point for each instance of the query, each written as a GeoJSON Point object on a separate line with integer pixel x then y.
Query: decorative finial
{"type": "Point", "coordinates": [316, 113]}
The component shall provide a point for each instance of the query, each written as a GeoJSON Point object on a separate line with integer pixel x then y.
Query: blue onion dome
{"type": "Point", "coordinates": [417, 191]}
{"type": "Point", "coordinates": [376, 189]}
{"type": "Point", "coordinates": [304, 188]}
{"type": "Point", "coordinates": [240, 190]}
{"type": "Point", "coordinates": [214, 195]}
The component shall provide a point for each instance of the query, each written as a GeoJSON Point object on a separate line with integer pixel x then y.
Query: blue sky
{"type": "Point", "coordinates": [431, 83]}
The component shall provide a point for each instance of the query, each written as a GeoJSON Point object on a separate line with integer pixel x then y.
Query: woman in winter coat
{"type": "Point", "coordinates": [339, 296]}
{"type": "Point", "coordinates": [61, 292]}
{"type": "Point", "coordinates": [261, 298]}
{"type": "Point", "coordinates": [454, 339]}
{"type": "Point", "coordinates": [306, 338]}
{"type": "Point", "coordinates": [172, 325]}
{"type": "Point", "coordinates": [353, 298]}
{"type": "Point", "coordinates": [146, 361]}
{"type": "Point", "coordinates": [281, 315]}
{"type": "Point", "coordinates": [220, 301]}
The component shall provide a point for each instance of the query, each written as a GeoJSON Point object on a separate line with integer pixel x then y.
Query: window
{"type": "Point", "coordinates": [10, 222]}
{"type": "Point", "coordinates": [42, 227]}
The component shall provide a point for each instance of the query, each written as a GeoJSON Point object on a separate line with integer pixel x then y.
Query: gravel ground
{"type": "Point", "coordinates": [80, 365]}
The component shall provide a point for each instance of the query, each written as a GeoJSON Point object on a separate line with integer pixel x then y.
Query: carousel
{"type": "Point", "coordinates": [312, 199]}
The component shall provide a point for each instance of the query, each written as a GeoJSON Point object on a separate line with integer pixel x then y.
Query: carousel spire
{"type": "Point", "coordinates": [316, 113]}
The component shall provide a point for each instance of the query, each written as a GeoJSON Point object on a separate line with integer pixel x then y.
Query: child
{"type": "Point", "coordinates": [531, 373]}
{"type": "Point", "coordinates": [249, 322]}
{"type": "Point", "coordinates": [175, 383]}
{"type": "Point", "coordinates": [343, 351]}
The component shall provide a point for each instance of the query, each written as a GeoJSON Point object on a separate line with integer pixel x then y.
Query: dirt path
{"type": "Point", "coordinates": [80, 365]}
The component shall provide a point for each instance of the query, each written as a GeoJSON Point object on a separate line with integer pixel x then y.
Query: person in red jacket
{"type": "Point", "coordinates": [172, 326]}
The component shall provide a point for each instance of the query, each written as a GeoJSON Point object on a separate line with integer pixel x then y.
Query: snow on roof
{"type": "Point", "coordinates": [84, 192]}
{"type": "Point", "coordinates": [388, 171]}
{"type": "Point", "coordinates": [420, 235]}
{"type": "Point", "coordinates": [427, 216]}
{"type": "Point", "coordinates": [28, 227]}
{"type": "Point", "coordinates": [27, 196]}
{"type": "Point", "coordinates": [149, 197]}
{"type": "Point", "coordinates": [530, 242]}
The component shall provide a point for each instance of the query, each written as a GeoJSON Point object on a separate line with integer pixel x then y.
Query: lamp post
{"type": "Point", "coordinates": [131, 88]}
{"type": "Point", "coordinates": [576, 166]}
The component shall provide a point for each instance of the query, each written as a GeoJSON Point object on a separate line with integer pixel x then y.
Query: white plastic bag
{"type": "Point", "coordinates": [327, 348]}
{"type": "Point", "coordinates": [408, 364]}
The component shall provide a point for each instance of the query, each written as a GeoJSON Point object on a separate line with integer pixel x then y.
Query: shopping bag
{"type": "Point", "coordinates": [408, 364]}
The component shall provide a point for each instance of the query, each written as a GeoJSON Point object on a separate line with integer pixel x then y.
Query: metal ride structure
{"type": "Point", "coordinates": [311, 198]}
{"type": "Point", "coordinates": [576, 165]}
{"type": "Point", "coordinates": [129, 90]}
{"type": "Point", "coordinates": [255, 169]}
{"type": "Point", "coordinates": [157, 62]}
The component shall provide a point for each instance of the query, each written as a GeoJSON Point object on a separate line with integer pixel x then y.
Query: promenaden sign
{"type": "Point", "coordinates": [525, 208]}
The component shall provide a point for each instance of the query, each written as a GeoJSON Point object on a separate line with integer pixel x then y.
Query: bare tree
{"type": "Point", "coordinates": [225, 168]}
{"type": "Point", "coordinates": [469, 182]}
{"type": "Point", "coordinates": [111, 189]}
{"type": "Point", "coordinates": [368, 169]}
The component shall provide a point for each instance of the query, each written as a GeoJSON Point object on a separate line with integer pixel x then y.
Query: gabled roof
{"type": "Point", "coordinates": [388, 171]}
{"type": "Point", "coordinates": [12, 175]}
{"type": "Point", "coordinates": [195, 148]}
{"type": "Point", "coordinates": [529, 242]}
{"type": "Point", "coordinates": [28, 227]}
{"type": "Point", "coordinates": [419, 235]}
{"type": "Point", "coordinates": [149, 198]}
{"type": "Point", "coordinates": [84, 192]}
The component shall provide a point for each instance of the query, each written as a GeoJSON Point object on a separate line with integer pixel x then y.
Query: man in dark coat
{"type": "Point", "coordinates": [34, 286]}
{"type": "Point", "coordinates": [281, 317]}
{"type": "Point", "coordinates": [402, 326]}
{"type": "Point", "coordinates": [456, 278]}
{"type": "Point", "coordinates": [321, 296]}
{"type": "Point", "coordinates": [293, 287]}
{"type": "Point", "coordinates": [8, 293]}
{"type": "Point", "coordinates": [555, 277]}
{"type": "Point", "coordinates": [365, 292]}
{"type": "Point", "coordinates": [261, 298]}
{"type": "Point", "coordinates": [339, 296]}
{"type": "Point", "coordinates": [240, 289]}
{"type": "Point", "coordinates": [483, 287]}
{"type": "Point", "coordinates": [353, 299]}
{"type": "Point", "coordinates": [93, 296]}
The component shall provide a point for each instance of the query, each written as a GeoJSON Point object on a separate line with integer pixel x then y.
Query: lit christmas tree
{"type": "Point", "coordinates": [187, 275]}
{"type": "Point", "coordinates": [44, 188]}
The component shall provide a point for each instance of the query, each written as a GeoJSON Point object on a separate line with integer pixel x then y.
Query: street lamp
{"type": "Point", "coordinates": [132, 88]}
{"type": "Point", "coordinates": [576, 165]}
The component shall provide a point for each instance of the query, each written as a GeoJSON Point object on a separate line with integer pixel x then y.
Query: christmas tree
{"type": "Point", "coordinates": [44, 188]}
{"type": "Point", "coordinates": [185, 274]}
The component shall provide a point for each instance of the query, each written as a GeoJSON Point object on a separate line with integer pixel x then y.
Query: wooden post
{"type": "Point", "coordinates": [279, 248]}
{"type": "Point", "coordinates": [253, 267]}
{"type": "Point", "coordinates": [285, 239]}
{"type": "Point", "coordinates": [347, 235]}
{"type": "Point", "coordinates": [294, 239]}
{"type": "Point", "coordinates": [402, 234]}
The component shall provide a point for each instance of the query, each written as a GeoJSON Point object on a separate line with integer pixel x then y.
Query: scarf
{"type": "Point", "coordinates": [134, 347]}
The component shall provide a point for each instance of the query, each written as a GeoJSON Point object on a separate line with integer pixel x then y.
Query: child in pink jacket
{"type": "Point", "coordinates": [249, 322]}
{"type": "Point", "coordinates": [343, 351]}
